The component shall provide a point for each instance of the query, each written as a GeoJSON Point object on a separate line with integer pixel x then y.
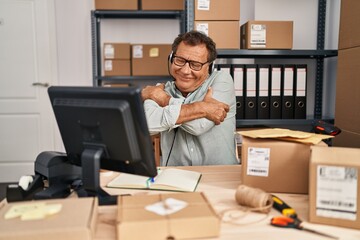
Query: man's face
{"type": "Point", "coordinates": [187, 79]}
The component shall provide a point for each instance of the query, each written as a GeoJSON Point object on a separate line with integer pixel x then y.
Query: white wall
{"type": "Point", "coordinates": [74, 35]}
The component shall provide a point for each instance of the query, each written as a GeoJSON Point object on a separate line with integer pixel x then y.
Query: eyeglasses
{"type": "Point", "coordinates": [194, 65]}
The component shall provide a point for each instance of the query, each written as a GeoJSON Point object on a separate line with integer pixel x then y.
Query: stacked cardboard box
{"type": "Point", "coordinates": [117, 59]}
{"type": "Point", "coordinates": [116, 4]}
{"type": "Point", "coordinates": [267, 35]}
{"type": "Point", "coordinates": [347, 107]}
{"type": "Point", "coordinates": [150, 59]}
{"type": "Point", "coordinates": [219, 19]}
{"type": "Point", "coordinates": [162, 5]}
{"type": "Point", "coordinates": [334, 194]}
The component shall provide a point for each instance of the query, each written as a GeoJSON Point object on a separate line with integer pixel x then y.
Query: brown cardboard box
{"type": "Point", "coordinates": [347, 139]}
{"type": "Point", "coordinates": [150, 59]}
{"type": "Point", "coordinates": [116, 4]}
{"type": "Point", "coordinates": [349, 33]}
{"type": "Point", "coordinates": [117, 67]}
{"type": "Point", "coordinates": [347, 107]}
{"type": "Point", "coordinates": [267, 35]}
{"type": "Point", "coordinates": [196, 220]}
{"type": "Point", "coordinates": [162, 5]}
{"type": "Point", "coordinates": [117, 51]}
{"type": "Point", "coordinates": [75, 221]}
{"type": "Point", "coordinates": [217, 10]}
{"type": "Point", "coordinates": [275, 165]}
{"type": "Point", "coordinates": [334, 196]}
{"type": "Point", "coordinates": [226, 34]}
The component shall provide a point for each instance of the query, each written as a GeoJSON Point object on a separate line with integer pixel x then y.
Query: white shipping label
{"type": "Point", "coordinates": [109, 51]}
{"type": "Point", "coordinates": [203, 5]}
{"type": "Point", "coordinates": [238, 81]}
{"type": "Point", "coordinates": [336, 192]}
{"type": "Point", "coordinates": [108, 65]}
{"type": "Point", "coordinates": [276, 82]}
{"type": "Point", "coordinates": [203, 27]}
{"type": "Point", "coordinates": [258, 161]}
{"type": "Point", "coordinates": [258, 36]}
{"type": "Point", "coordinates": [137, 51]}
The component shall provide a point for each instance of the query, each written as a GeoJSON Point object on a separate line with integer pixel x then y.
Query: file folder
{"type": "Point", "coordinates": [250, 91]}
{"type": "Point", "coordinates": [275, 91]}
{"type": "Point", "coordinates": [288, 92]}
{"type": "Point", "coordinates": [262, 94]}
{"type": "Point", "coordinates": [300, 91]}
{"type": "Point", "coordinates": [224, 67]}
{"type": "Point", "coordinates": [238, 76]}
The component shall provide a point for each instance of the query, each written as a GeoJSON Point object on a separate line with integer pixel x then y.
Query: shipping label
{"type": "Point", "coordinates": [336, 192]}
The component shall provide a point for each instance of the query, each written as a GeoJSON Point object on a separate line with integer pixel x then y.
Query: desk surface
{"type": "Point", "coordinates": [219, 184]}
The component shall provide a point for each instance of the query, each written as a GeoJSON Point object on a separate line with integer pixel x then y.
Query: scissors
{"type": "Point", "coordinates": [288, 222]}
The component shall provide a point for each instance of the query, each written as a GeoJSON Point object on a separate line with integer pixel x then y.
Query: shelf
{"type": "Point", "coordinates": [132, 79]}
{"type": "Point", "coordinates": [113, 14]}
{"type": "Point", "coordinates": [245, 53]}
{"type": "Point", "coordinates": [126, 79]}
{"type": "Point", "coordinates": [240, 123]}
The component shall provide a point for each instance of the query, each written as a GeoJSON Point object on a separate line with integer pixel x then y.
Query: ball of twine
{"type": "Point", "coordinates": [254, 198]}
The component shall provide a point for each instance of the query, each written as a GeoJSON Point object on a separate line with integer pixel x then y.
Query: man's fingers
{"type": "Point", "coordinates": [161, 85]}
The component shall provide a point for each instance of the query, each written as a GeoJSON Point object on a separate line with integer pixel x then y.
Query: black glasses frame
{"type": "Point", "coordinates": [190, 63]}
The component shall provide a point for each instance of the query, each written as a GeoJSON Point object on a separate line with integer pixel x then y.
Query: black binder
{"type": "Point", "coordinates": [224, 67]}
{"type": "Point", "coordinates": [288, 92]}
{"type": "Point", "coordinates": [262, 93]}
{"type": "Point", "coordinates": [238, 76]}
{"type": "Point", "coordinates": [250, 91]}
{"type": "Point", "coordinates": [275, 91]}
{"type": "Point", "coordinates": [300, 91]}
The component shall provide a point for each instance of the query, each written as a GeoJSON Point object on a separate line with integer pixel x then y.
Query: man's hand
{"type": "Point", "coordinates": [215, 111]}
{"type": "Point", "coordinates": [157, 94]}
{"type": "Point", "coordinates": [209, 108]}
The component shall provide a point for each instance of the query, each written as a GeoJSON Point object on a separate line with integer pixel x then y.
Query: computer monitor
{"type": "Point", "coordinates": [103, 128]}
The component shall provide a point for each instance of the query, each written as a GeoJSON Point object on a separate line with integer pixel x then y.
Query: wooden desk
{"type": "Point", "coordinates": [219, 184]}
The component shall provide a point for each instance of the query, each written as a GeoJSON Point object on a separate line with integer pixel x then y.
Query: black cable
{"type": "Point", "coordinates": [167, 160]}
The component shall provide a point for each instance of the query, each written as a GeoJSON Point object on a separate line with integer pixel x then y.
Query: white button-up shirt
{"type": "Point", "coordinates": [200, 141]}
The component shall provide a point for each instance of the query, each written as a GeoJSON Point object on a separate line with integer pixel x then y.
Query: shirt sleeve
{"type": "Point", "coordinates": [159, 118]}
{"type": "Point", "coordinates": [223, 91]}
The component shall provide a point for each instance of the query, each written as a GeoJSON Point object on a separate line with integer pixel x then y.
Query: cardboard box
{"type": "Point", "coordinates": [116, 4]}
{"type": "Point", "coordinates": [117, 67]}
{"type": "Point", "coordinates": [226, 34]}
{"type": "Point", "coordinates": [150, 59]}
{"type": "Point", "coordinates": [217, 10]}
{"type": "Point", "coordinates": [196, 220]}
{"type": "Point", "coordinates": [75, 221]}
{"type": "Point", "coordinates": [267, 35]}
{"type": "Point", "coordinates": [275, 166]}
{"type": "Point", "coordinates": [347, 139]}
{"type": "Point", "coordinates": [117, 51]}
{"type": "Point", "coordinates": [347, 108]}
{"type": "Point", "coordinates": [334, 194]}
{"type": "Point", "coordinates": [163, 5]}
{"type": "Point", "coordinates": [349, 33]}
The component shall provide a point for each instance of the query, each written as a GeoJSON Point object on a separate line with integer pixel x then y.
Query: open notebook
{"type": "Point", "coordinates": [169, 179]}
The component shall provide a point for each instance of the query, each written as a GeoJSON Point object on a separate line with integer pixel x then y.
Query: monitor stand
{"type": "Point", "coordinates": [90, 164]}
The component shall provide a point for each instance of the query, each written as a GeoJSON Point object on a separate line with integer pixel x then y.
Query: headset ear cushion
{"type": "Point", "coordinates": [170, 58]}
{"type": "Point", "coordinates": [211, 68]}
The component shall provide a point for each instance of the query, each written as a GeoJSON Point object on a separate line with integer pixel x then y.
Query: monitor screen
{"type": "Point", "coordinates": [104, 128]}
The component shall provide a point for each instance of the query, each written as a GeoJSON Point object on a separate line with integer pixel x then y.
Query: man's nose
{"type": "Point", "coordinates": [186, 68]}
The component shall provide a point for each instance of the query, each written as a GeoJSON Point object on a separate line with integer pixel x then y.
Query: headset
{"type": "Point", "coordinates": [171, 58]}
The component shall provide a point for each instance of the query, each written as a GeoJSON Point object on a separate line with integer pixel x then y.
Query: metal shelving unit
{"type": "Point", "coordinates": [187, 23]}
{"type": "Point", "coordinates": [319, 54]}
{"type": "Point", "coordinates": [98, 15]}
